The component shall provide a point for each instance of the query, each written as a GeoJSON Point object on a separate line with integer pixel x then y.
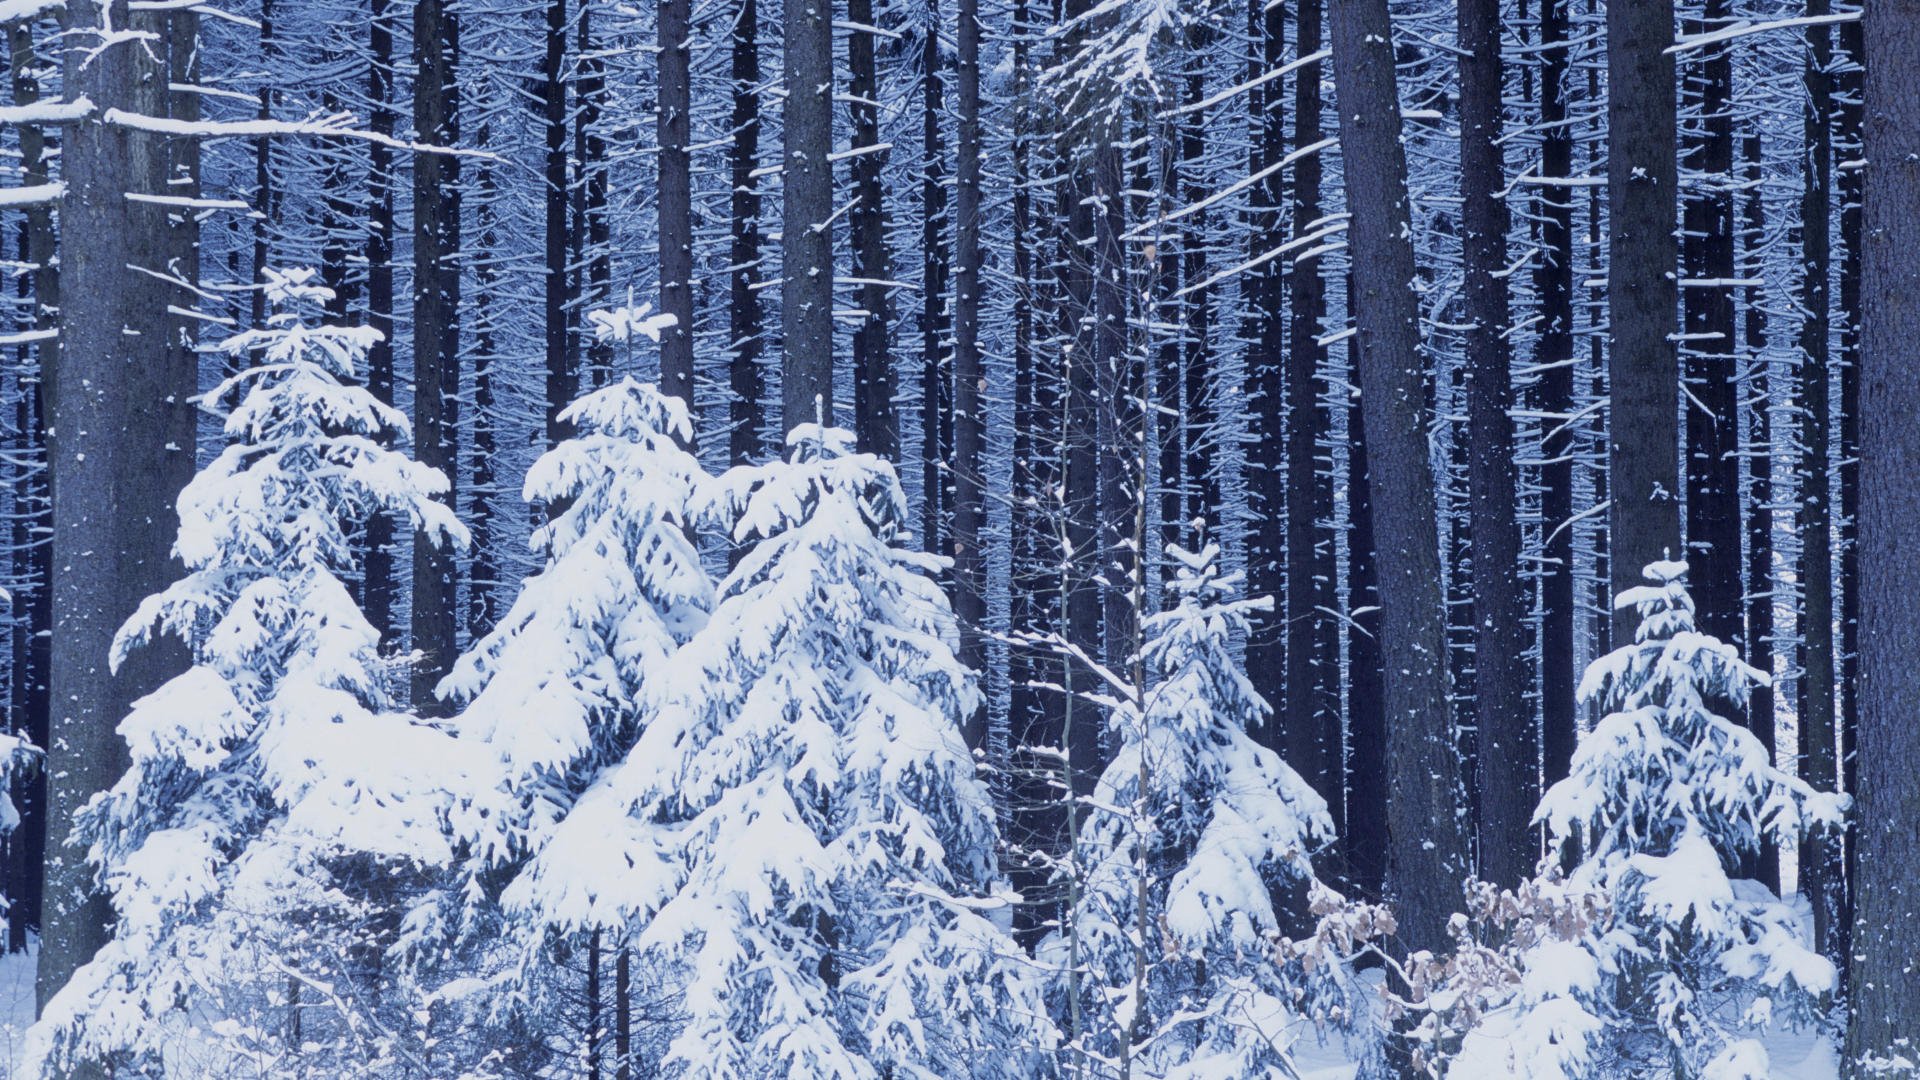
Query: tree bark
{"type": "Point", "coordinates": [1266, 403]}
{"type": "Point", "coordinates": [936, 384]}
{"type": "Point", "coordinates": [1426, 844]}
{"type": "Point", "coordinates": [377, 585]}
{"type": "Point", "coordinates": [1553, 355]}
{"type": "Point", "coordinates": [1713, 409]}
{"type": "Point", "coordinates": [1506, 772]}
{"type": "Point", "coordinates": [875, 419]}
{"type": "Point", "coordinates": [806, 292]}
{"type": "Point", "coordinates": [1822, 872]}
{"type": "Point", "coordinates": [745, 379]}
{"type": "Point", "coordinates": [436, 329]}
{"type": "Point", "coordinates": [673, 129]}
{"type": "Point", "coordinates": [121, 442]}
{"type": "Point", "coordinates": [969, 380]}
{"type": "Point", "coordinates": [563, 372]}
{"type": "Point", "coordinates": [1642, 256]}
{"type": "Point", "coordinates": [1885, 996]}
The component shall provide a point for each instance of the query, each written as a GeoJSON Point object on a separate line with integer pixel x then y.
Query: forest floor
{"type": "Point", "coordinates": [1795, 1055]}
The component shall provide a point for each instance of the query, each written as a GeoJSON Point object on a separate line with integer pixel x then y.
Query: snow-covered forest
{"type": "Point", "coordinates": [960, 539]}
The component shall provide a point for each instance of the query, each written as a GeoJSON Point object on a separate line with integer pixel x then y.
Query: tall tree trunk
{"type": "Point", "coordinates": [592, 226]}
{"type": "Point", "coordinates": [120, 443]}
{"type": "Point", "coordinates": [969, 380]}
{"type": "Point", "coordinates": [1426, 843]}
{"type": "Point", "coordinates": [1822, 872]}
{"type": "Point", "coordinates": [1367, 825]}
{"type": "Point", "coordinates": [936, 384]}
{"type": "Point", "coordinates": [436, 328]}
{"type": "Point", "coordinates": [746, 381]}
{"type": "Point", "coordinates": [1314, 737]}
{"type": "Point", "coordinates": [1758, 390]}
{"type": "Point", "coordinates": [1553, 356]}
{"type": "Point", "coordinates": [1849, 120]}
{"type": "Point", "coordinates": [30, 642]}
{"type": "Point", "coordinates": [485, 569]}
{"type": "Point", "coordinates": [1885, 1002]}
{"type": "Point", "coordinates": [1643, 364]}
{"type": "Point", "coordinates": [873, 383]}
{"type": "Point", "coordinates": [1266, 401]}
{"type": "Point", "coordinates": [563, 373]}
{"type": "Point", "coordinates": [806, 291]}
{"type": "Point", "coordinates": [377, 591]}
{"type": "Point", "coordinates": [1713, 407]}
{"type": "Point", "coordinates": [1507, 777]}
{"type": "Point", "coordinates": [673, 129]}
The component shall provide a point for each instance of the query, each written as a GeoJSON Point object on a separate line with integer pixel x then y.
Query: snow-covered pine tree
{"type": "Point", "coordinates": [1193, 831]}
{"type": "Point", "coordinates": [1648, 957]}
{"type": "Point", "coordinates": [257, 847]}
{"type": "Point", "coordinates": [559, 691]}
{"type": "Point", "coordinates": [825, 869]}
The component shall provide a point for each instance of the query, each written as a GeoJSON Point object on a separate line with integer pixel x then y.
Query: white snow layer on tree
{"type": "Point", "coordinates": [811, 847]}
{"type": "Point", "coordinates": [1205, 825]}
{"type": "Point", "coordinates": [560, 689]}
{"type": "Point", "coordinates": [273, 793]}
{"type": "Point", "coordinates": [1683, 966]}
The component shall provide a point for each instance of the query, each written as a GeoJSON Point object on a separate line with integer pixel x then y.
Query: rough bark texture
{"type": "Point", "coordinates": [1713, 409]}
{"type": "Point", "coordinates": [672, 127]}
{"type": "Point", "coordinates": [1642, 258]}
{"type": "Point", "coordinates": [121, 438]}
{"type": "Point", "coordinates": [436, 329]}
{"type": "Point", "coordinates": [378, 587]}
{"type": "Point", "coordinates": [563, 373]}
{"type": "Point", "coordinates": [875, 420]}
{"type": "Point", "coordinates": [1506, 774]}
{"type": "Point", "coordinates": [1426, 843]}
{"type": "Point", "coordinates": [1308, 708]}
{"type": "Point", "coordinates": [1266, 396]}
{"type": "Point", "coordinates": [936, 384]}
{"type": "Point", "coordinates": [806, 291]}
{"type": "Point", "coordinates": [745, 378]}
{"type": "Point", "coordinates": [1886, 936]}
{"type": "Point", "coordinates": [1823, 874]}
{"type": "Point", "coordinates": [969, 381]}
{"type": "Point", "coordinates": [1553, 355]}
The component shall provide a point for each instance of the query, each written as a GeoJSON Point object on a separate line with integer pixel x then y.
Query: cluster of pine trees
{"type": "Point", "coordinates": [1098, 545]}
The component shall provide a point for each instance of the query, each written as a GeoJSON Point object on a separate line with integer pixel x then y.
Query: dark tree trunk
{"type": "Point", "coordinates": [1310, 718]}
{"type": "Point", "coordinates": [1199, 438]}
{"type": "Point", "coordinates": [436, 329]}
{"type": "Point", "coordinates": [745, 378]}
{"type": "Point", "coordinates": [1643, 364]}
{"type": "Point", "coordinates": [1366, 822]}
{"type": "Point", "coordinates": [484, 570]}
{"type": "Point", "coordinates": [806, 293]}
{"type": "Point", "coordinates": [377, 573]}
{"type": "Point", "coordinates": [1758, 388]}
{"type": "Point", "coordinates": [1849, 119]}
{"type": "Point", "coordinates": [120, 444]}
{"type": "Point", "coordinates": [37, 364]}
{"type": "Point", "coordinates": [1426, 843]}
{"type": "Point", "coordinates": [673, 129]}
{"type": "Point", "coordinates": [1553, 355]}
{"type": "Point", "coordinates": [1822, 871]}
{"type": "Point", "coordinates": [936, 385]}
{"type": "Point", "coordinates": [1266, 400]}
{"type": "Point", "coordinates": [1507, 778]}
{"type": "Point", "coordinates": [1885, 1002]}
{"type": "Point", "coordinates": [592, 226]}
{"type": "Point", "coordinates": [1713, 409]}
{"type": "Point", "coordinates": [873, 384]}
{"type": "Point", "coordinates": [563, 373]}
{"type": "Point", "coordinates": [969, 380]}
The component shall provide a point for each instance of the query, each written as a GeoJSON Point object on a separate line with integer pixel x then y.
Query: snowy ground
{"type": "Point", "coordinates": [16, 1008]}
{"type": "Point", "coordinates": [1796, 1056]}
